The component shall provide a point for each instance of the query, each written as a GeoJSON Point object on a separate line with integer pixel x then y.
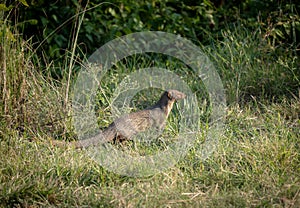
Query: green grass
{"type": "Point", "coordinates": [256, 162]}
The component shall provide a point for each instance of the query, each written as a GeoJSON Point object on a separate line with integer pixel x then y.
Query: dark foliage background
{"type": "Point", "coordinates": [199, 21]}
{"type": "Point", "coordinates": [273, 26]}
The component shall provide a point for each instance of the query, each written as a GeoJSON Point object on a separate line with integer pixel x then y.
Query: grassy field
{"type": "Point", "coordinates": [256, 162]}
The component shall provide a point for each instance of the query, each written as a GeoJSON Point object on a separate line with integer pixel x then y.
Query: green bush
{"type": "Point", "coordinates": [198, 21]}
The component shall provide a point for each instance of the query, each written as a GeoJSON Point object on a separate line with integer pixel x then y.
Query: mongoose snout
{"type": "Point", "coordinates": [175, 94]}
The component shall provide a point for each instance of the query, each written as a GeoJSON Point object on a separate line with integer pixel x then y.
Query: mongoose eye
{"type": "Point", "coordinates": [170, 95]}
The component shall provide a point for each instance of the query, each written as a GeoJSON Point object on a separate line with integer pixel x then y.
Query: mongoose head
{"type": "Point", "coordinates": [168, 98]}
{"type": "Point", "coordinates": [175, 95]}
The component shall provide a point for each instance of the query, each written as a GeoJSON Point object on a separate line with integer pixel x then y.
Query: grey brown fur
{"type": "Point", "coordinates": [129, 125]}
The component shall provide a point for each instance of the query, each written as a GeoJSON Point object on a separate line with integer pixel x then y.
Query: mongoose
{"type": "Point", "coordinates": [129, 125]}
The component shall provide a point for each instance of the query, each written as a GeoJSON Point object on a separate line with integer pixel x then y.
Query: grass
{"type": "Point", "coordinates": [255, 164]}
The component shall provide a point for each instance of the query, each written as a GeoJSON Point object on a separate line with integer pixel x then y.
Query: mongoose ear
{"type": "Point", "coordinates": [170, 96]}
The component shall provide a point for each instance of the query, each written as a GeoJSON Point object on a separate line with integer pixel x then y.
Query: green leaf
{"type": "Point", "coordinates": [33, 21]}
{"type": "Point", "coordinates": [24, 2]}
{"type": "Point", "coordinates": [3, 7]}
{"type": "Point", "coordinates": [9, 35]}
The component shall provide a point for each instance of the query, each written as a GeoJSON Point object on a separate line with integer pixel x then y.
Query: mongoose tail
{"type": "Point", "coordinates": [129, 125]}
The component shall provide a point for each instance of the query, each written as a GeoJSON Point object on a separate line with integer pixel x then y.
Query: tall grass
{"type": "Point", "coordinates": [31, 101]}
{"type": "Point", "coordinates": [250, 67]}
{"type": "Point", "coordinates": [256, 163]}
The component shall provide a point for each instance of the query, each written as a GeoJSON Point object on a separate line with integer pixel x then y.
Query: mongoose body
{"type": "Point", "coordinates": [129, 125]}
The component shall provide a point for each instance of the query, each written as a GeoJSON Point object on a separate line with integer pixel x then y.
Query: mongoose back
{"type": "Point", "coordinates": [129, 125]}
